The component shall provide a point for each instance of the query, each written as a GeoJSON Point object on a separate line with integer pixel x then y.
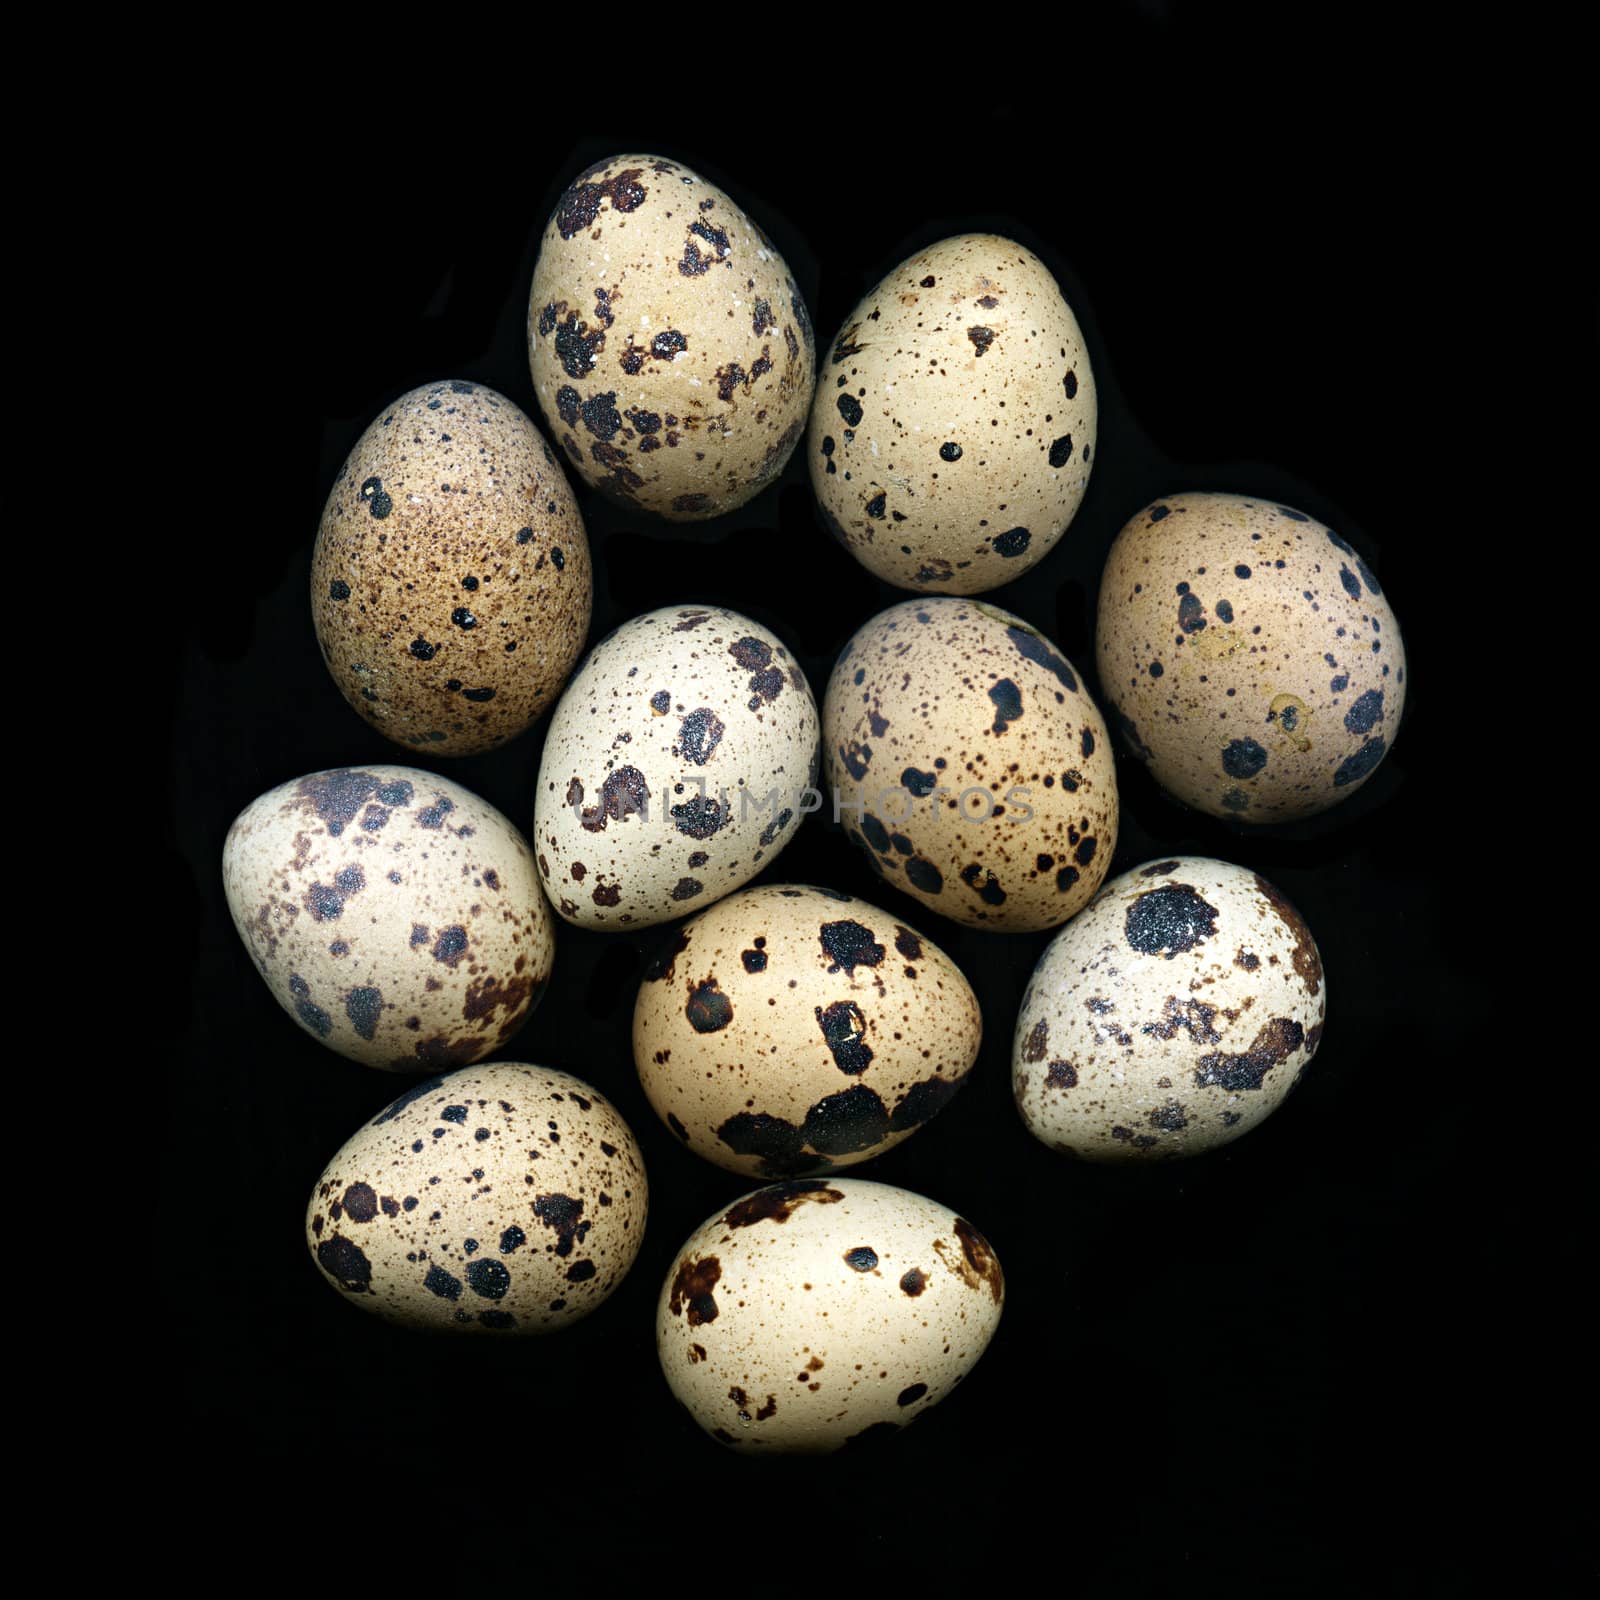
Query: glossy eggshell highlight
{"type": "Point", "coordinates": [393, 914]}
{"type": "Point", "coordinates": [982, 766]}
{"type": "Point", "coordinates": [824, 1312]}
{"type": "Point", "coordinates": [793, 1030]}
{"type": "Point", "coordinates": [954, 421]}
{"type": "Point", "coordinates": [671, 350]}
{"type": "Point", "coordinates": [1251, 656]}
{"type": "Point", "coordinates": [674, 768]}
{"type": "Point", "coordinates": [503, 1199]}
{"type": "Point", "coordinates": [1171, 1017]}
{"type": "Point", "coordinates": [450, 585]}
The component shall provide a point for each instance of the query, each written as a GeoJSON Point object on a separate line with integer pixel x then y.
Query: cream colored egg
{"type": "Point", "coordinates": [791, 1029]}
{"type": "Point", "coordinates": [1250, 655]}
{"type": "Point", "coordinates": [1171, 1017]}
{"type": "Point", "coordinates": [450, 585]}
{"type": "Point", "coordinates": [393, 914]}
{"type": "Point", "coordinates": [971, 765]}
{"type": "Point", "coordinates": [823, 1312]}
{"type": "Point", "coordinates": [954, 421]}
{"type": "Point", "coordinates": [501, 1199]}
{"type": "Point", "coordinates": [677, 764]}
{"type": "Point", "coordinates": [671, 350]}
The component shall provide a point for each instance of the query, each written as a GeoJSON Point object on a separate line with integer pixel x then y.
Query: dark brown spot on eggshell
{"type": "Point", "coordinates": [1307, 963]}
{"type": "Point", "coordinates": [972, 1260]}
{"type": "Point", "coordinates": [777, 1202]}
{"type": "Point", "coordinates": [692, 1287]}
{"type": "Point", "coordinates": [1270, 1048]}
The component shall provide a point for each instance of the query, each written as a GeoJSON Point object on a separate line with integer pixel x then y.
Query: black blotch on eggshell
{"type": "Point", "coordinates": [1169, 920]}
{"type": "Point", "coordinates": [708, 1008]}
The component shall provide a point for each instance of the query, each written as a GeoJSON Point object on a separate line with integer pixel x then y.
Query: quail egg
{"type": "Point", "coordinates": [450, 584]}
{"type": "Point", "coordinates": [1251, 656]}
{"type": "Point", "coordinates": [393, 914]}
{"type": "Point", "coordinates": [954, 422]}
{"type": "Point", "coordinates": [790, 1029]}
{"type": "Point", "coordinates": [671, 350]}
{"type": "Point", "coordinates": [970, 764]}
{"type": "Point", "coordinates": [677, 763]}
{"type": "Point", "coordinates": [1170, 1017]}
{"type": "Point", "coordinates": [823, 1313]}
{"type": "Point", "coordinates": [501, 1199]}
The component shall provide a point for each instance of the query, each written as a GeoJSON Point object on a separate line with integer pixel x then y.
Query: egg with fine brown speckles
{"type": "Point", "coordinates": [1250, 655]}
{"type": "Point", "coordinates": [1171, 1017]}
{"type": "Point", "coordinates": [975, 764]}
{"type": "Point", "coordinates": [503, 1199]}
{"type": "Point", "coordinates": [450, 585]}
{"type": "Point", "coordinates": [678, 763]}
{"type": "Point", "coordinates": [393, 914]}
{"type": "Point", "coordinates": [792, 1030]}
{"type": "Point", "coordinates": [825, 1313]}
{"type": "Point", "coordinates": [953, 428]}
{"type": "Point", "coordinates": [670, 347]}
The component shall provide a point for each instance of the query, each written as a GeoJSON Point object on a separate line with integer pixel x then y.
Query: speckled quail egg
{"type": "Point", "coordinates": [502, 1199]}
{"type": "Point", "coordinates": [980, 765]}
{"type": "Point", "coordinates": [450, 585]}
{"type": "Point", "coordinates": [1172, 1016]}
{"type": "Point", "coordinates": [671, 350]}
{"type": "Point", "coordinates": [1250, 656]}
{"type": "Point", "coordinates": [393, 914]}
{"type": "Point", "coordinates": [954, 421]}
{"type": "Point", "coordinates": [791, 1029]}
{"type": "Point", "coordinates": [676, 763]}
{"type": "Point", "coordinates": [824, 1312]}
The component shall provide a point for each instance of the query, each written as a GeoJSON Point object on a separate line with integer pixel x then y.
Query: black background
{"type": "Point", "coordinates": [1248, 1369]}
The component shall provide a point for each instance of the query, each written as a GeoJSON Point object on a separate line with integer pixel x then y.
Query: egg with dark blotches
{"type": "Point", "coordinates": [503, 1199]}
{"type": "Point", "coordinates": [393, 914]}
{"type": "Point", "coordinates": [1250, 655]}
{"type": "Point", "coordinates": [969, 762]}
{"type": "Point", "coordinates": [671, 350]}
{"type": "Point", "coordinates": [793, 1030]}
{"type": "Point", "coordinates": [678, 763]}
{"type": "Point", "coordinates": [824, 1314]}
{"type": "Point", "coordinates": [450, 584]}
{"type": "Point", "coordinates": [1171, 1017]}
{"type": "Point", "coordinates": [953, 428]}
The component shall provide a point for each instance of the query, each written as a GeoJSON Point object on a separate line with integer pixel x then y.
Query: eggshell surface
{"type": "Point", "coordinates": [822, 1312]}
{"type": "Point", "coordinates": [501, 1199]}
{"type": "Point", "coordinates": [670, 347]}
{"type": "Point", "coordinates": [981, 766]}
{"type": "Point", "coordinates": [393, 914]}
{"type": "Point", "coordinates": [953, 427]}
{"type": "Point", "coordinates": [675, 766]}
{"type": "Point", "coordinates": [450, 584]}
{"type": "Point", "coordinates": [1171, 1017]}
{"type": "Point", "coordinates": [792, 1030]}
{"type": "Point", "coordinates": [1251, 656]}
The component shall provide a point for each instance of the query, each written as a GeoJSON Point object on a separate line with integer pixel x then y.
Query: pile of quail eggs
{"type": "Point", "coordinates": [1246, 653]}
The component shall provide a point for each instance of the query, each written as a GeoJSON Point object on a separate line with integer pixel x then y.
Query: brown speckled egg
{"type": "Point", "coordinates": [981, 766]}
{"type": "Point", "coordinates": [395, 915]}
{"type": "Point", "coordinates": [671, 350]}
{"type": "Point", "coordinates": [791, 1029]}
{"type": "Point", "coordinates": [1172, 1016]}
{"type": "Point", "coordinates": [675, 766]}
{"type": "Point", "coordinates": [1250, 655]}
{"type": "Point", "coordinates": [954, 422]}
{"type": "Point", "coordinates": [824, 1312]}
{"type": "Point", "coordinates": [500, 1199]}
{"type": "Point", "coordinates": [450, 585]}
